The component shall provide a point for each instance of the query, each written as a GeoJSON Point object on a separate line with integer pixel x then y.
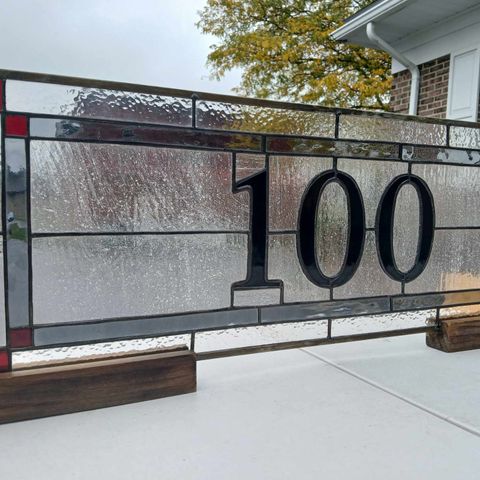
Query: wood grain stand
{"type": "Point", "coordinates": [46, 391]}
{"type": "Point", "coordinates": [456, 334]}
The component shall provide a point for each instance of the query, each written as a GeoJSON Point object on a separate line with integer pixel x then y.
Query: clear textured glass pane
{"type": "Point", "coordinates": [434, 300]}
{"type": "Point", "coordinates": [256, 296]}
{"type": "Point", "coordinates": [331, 147]}
{"type": "Point", "coordinates": [331, 229]}
{"type": "Point", "coordinates": [448, 155]}
{"type": "Point", "coordinates": [66, 100]}
{"type": "Point", "coordinates": [318, 311]}
{"type": "Point", "coordinates": [230, 116]}
{"type": "Point", "coordinates": [380, 323]}
{"type": "Point", "coordinates": [96, 351]}
{"type": "Point", "coordinates": [465, 137]}
{"type": "Point", "coordinates": [82, 278]}
{"type": "Point", "coordinates": [372, 178]}
{"type": "Point", "coordinates": [289, 177]}
{"type": "Point", "coordinates": [369, 279]}
{"type": "Point", "coordinates": [460, 311]}
{"type": "Point", "coordinates": [82, 187]}
{"type": "Point", "coordinates": [141, 134]}
{"type": "Point", "coordinates": [17, 225]}
{"type": "Point", "coordinates": [283, 264]}
{"type": "Point", "coordinates": [453, 263]}
{"type": "Point", "coordinates": [406, 227]}
{"type": "Point", "coordinates": [244, 336]}
{"type": "Point", "coordinates": [455, 194]}
{"type": "Point", "coordinates": [144, 326]}
{"type": "Point", "coordinates": [381, 129]}
{"type": "Point", "coordinates": [248, 164]}
{"type": "Point", "coordinates": [3, 337]}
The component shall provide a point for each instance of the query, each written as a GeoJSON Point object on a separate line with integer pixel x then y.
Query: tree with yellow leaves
{"type": "Point", "coordinates": [285, 51]}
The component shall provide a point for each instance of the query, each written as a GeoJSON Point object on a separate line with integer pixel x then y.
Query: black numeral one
{"type": "Point", "coordinates": [384, 230]}
{"type": "Point", "coordinates": [306, 247]}
{"type": "Point", "coordinates": [256, 271]}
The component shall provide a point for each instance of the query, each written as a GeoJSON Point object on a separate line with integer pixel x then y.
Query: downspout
{"type": "Point", "coordinates": [415, 72]}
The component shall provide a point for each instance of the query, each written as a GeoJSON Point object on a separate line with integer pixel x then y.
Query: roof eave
{"type": "Point", "coordinates": [369, 14]}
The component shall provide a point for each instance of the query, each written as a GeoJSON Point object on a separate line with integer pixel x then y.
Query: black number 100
{"type": "Point", "coordinates": [306, 245]}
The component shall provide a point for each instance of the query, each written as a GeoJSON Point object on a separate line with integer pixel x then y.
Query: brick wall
{"type": "Point", "coordinates": [432, 101]}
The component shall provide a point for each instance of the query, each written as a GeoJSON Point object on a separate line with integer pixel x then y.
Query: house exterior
{"type": "Point", "coordinates": [435, 49]}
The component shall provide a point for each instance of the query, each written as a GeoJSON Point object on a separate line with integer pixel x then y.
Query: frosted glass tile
{"type": "Point", "coordinates": [83, 278]}
{"type": "Point", "coordinates": [331, 229]}
{"type": "Point", "coordinates": [95, 351]}
{"type": "Point", "coordinates": [256, 296]}
{"type": "Point", "coordinates": [369, 280]}
{"type": "Point", "coordinates": [332, 147]}
{"type": "Point", "coordinates": [406, 227]}
{"type": "Point", "coordinates": [85, 102]}
{"type": "Point", "coordinates": [465, 137]}
{"type": "Point", "coordinates": [382, 129]}
{"type": "Point", "coordinates": [251, 118]}
{"type": "Point", "coordinates": [248, 164]}
{"type": "Point", "coordinates": [266, 334]}
{"type": "Point", "coordinates": [381, 323]}
{"type": "Point", "coordinates": [453, 263]}
{"type": "Point", "coordinates": [289, 177]}
{"type": "Point", "coordinates": [283, 264]}
{"type": "Point", "coordinates": [82, 187]}
{"type": "Point", "coordinates": [372, 178]}
{"type": "Point", "coordinates": [447, 155]}
{"type": "Point", "coordinates": [435, 300]}
{"type": "Point", "coordinates": [455, 193]}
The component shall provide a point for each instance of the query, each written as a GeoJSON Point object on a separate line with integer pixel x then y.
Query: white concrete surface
{"type": "Point", "coordinates": [381, 409]}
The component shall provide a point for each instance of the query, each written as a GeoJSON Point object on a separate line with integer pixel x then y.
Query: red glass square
{"type": "Point", "coordinates": [16, 125]}
{"type": "Point", "coordinates": [20, 337]}
{"type": "Point", "coordinates": [4, 363]}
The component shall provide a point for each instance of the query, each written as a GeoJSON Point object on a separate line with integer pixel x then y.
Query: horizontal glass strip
{"type": "Point", "coordinates": [332, 147]}
{"type": "Point", "coordinates": [57, 335]}
{"type": "Point", "coordinates": [52, 99]}
{"type": "Point", "coordinates": [324, 310]}
{"type": "Point", "coordinates": [260, 335]}
{"type": "Point", "coordinates": [381, 323]}
{"type": "Point", "coordinates": [445, 155]}
{"type": "Point", "coordinates": [435, 300]}
{"type": "Point", "coordinates": [107, 132]}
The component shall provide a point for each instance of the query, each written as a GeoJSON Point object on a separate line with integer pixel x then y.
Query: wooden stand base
{"type": "Point", "coordinates": [41, 392]}
{"type": "Point", "coordinates": [456, 335]}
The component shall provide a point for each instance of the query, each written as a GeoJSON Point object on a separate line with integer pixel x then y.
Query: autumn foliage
{"type": "Point", "coordinates": [285, 51]}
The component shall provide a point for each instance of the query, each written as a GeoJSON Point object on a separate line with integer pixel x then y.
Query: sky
{"type": "Point", "coordinates": [152, 42]}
